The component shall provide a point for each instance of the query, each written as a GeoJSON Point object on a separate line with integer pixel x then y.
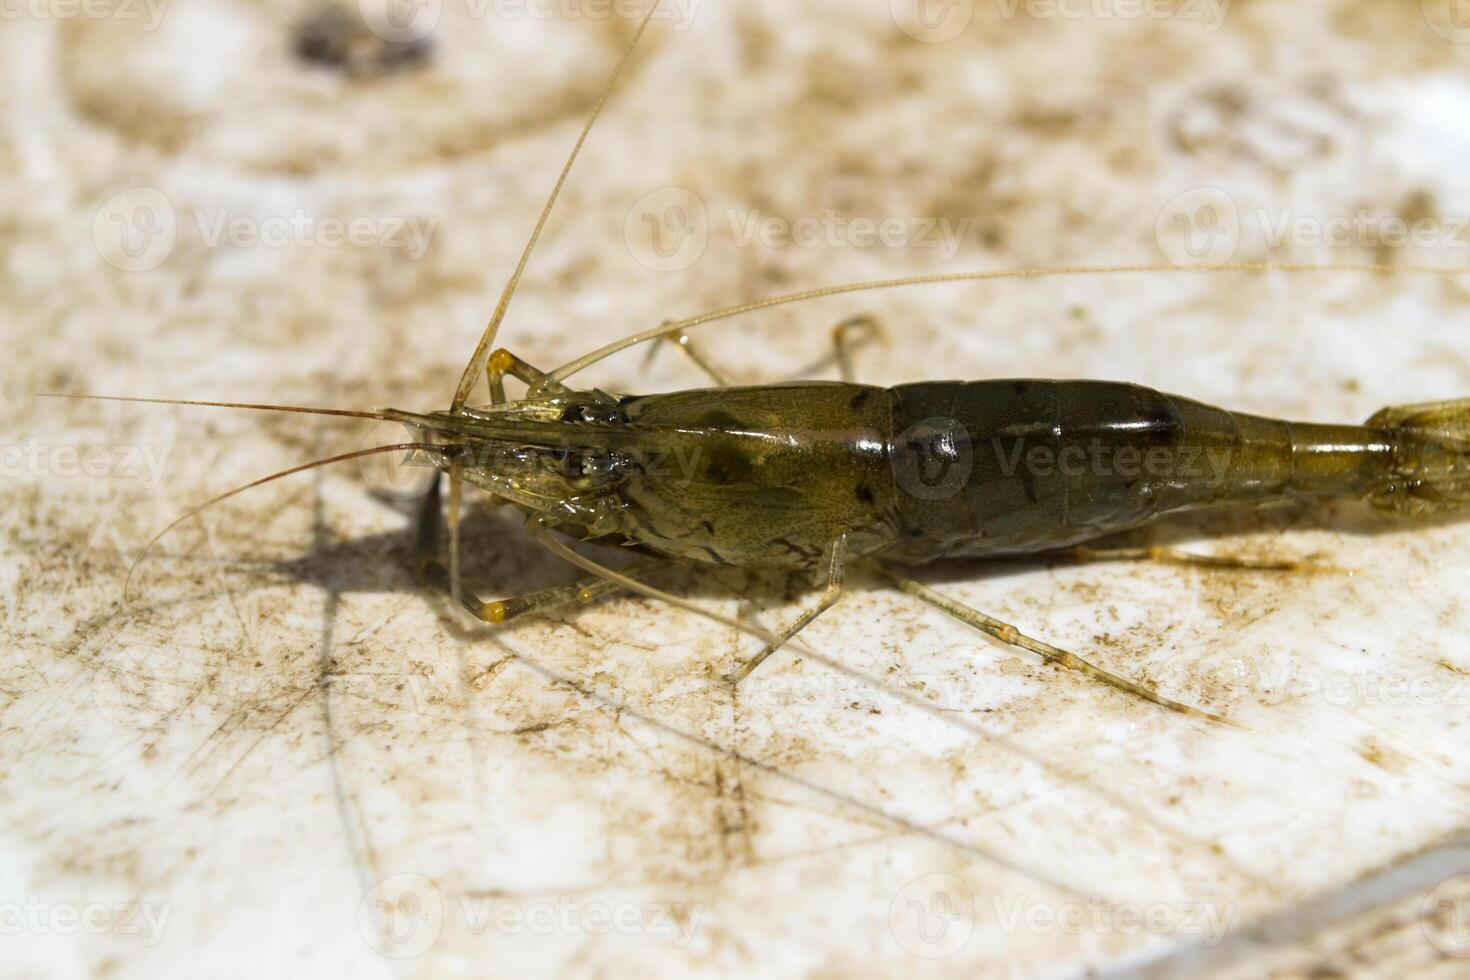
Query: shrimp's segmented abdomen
{"type": "Point", "coordinates": [1019, 466]}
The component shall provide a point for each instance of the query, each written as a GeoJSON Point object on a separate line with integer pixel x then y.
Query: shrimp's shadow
{"type": "Point", "coordinates": [1216, 529]}
{"type": "Point", "coordinates": [499, 559]}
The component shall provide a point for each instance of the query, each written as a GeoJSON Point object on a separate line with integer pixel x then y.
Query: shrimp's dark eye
{"type": "Point", "coordinates": [585, 470]}
{"type": "Point", "coordinates": [600, 413]}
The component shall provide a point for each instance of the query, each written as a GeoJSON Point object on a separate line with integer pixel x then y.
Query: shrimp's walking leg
{"type": "Point", "coordinates": [537, 527]}
{"type": "Point", "coordinates": [1011, 636]}
{"type": "Point", "coordinates": [432, 573]}
{"type": "Point", "coordinates": [503, 362]}
{"type": "Point", "coordinates": [497, 612]}
{"type": "Point", "coordinates": [846, 337]}
{"type": "Point", "coordinates": [836, 559]}
{"type": "Point", "coordinates": [1173, 556]}
{"type": "Point", "coordinates": [426, 545]}
{"type": "Point", "coordinates": [682, 341]}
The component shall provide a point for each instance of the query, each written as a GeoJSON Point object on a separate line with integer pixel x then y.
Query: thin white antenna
{"type": "Point", "coordinates": [676, 326]}
{"type": "Point", "coordinates": [477, 359]}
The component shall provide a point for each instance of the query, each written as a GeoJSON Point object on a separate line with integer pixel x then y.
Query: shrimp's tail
{"type": "Point", "coordinates": [1431, 458]}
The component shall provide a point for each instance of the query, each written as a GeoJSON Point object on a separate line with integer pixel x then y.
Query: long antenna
{"type": "Point", "coordinates": [674, 327]}
{"type": "Point", "coordinates": [477, 359]}
{"type": "Point", "coordinates": [345, 457]}
{"type": "Point", "coordinates": [376, 416]}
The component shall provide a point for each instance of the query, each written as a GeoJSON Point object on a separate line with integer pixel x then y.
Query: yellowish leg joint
{"type": "Point", "coordinates": [502, 361]}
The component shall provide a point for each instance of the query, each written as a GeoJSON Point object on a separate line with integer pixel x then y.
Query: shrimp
{"type": "Point", "coordinates": [819, 476]}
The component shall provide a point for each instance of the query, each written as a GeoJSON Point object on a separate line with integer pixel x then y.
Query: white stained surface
{"type": "Point", "coordinates": [278, 756]}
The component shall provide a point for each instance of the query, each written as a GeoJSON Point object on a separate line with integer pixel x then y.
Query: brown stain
{"type": "Point", "coordinates": [1384, 757]}
{"type": "Point", "coordinates": [421, 116]}
{"type": "Point", "coordinates": [1234, 123]}
{"type": "Point", "coordinates": [337, 39]}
